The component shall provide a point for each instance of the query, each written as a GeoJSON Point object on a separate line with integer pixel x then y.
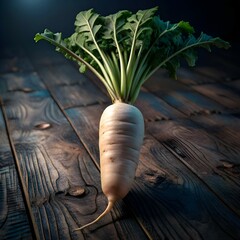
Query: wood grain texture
{"type": "Point", "coordinates": [180, 96]}
{"type": "Point", "coordinates": [203, 154]}
{"type": "Point", "coordinates": [155, 109]}
{"type": "Point", "coordinates": [225, 128]}
{"type": "Point", "coordinates": [191, 77]}
{"type": "Point", "coordinates": [225, 95]}
{"type": "Point", "coordinates": [69, 87]}
{"type": "Point", "coordinates": [14, 222]}
{"type": "Point", "coordinates": [24, 82]}
{"type": "Point", "coordinates": [181, 205]}
{"type": "Point", "coordinates": [178, 202]}
{"type": "Point", "coordinates": [61, 75]}
{"type": "Point", "coordinates": [85, 120]}
{"type": "Point", "coordinates": [187, 182]}
{"type": "Point", "coordinates": [56, 167]}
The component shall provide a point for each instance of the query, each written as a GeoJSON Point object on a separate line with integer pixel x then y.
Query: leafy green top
{"type": "Point", "coordinates": [124, 49]}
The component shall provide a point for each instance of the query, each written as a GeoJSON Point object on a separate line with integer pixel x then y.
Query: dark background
{"type": "Point", "coordinates": [21, 19]}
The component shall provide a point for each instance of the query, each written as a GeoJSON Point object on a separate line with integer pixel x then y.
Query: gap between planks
{"type": "Point", "coordinates": [199, 177]}
{"type": "Point", "coordinates": [33, 225]}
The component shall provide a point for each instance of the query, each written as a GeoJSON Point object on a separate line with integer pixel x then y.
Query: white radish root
{"type": "Point", "coordinates": [121, 132]}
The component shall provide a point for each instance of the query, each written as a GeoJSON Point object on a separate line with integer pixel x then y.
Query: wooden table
{"type": "Point", "coordinates": [188, 181]}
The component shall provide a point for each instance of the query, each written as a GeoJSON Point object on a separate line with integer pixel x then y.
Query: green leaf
{"type": "Point", "coordinates": [86, 32]}
{"type": "Point", "coordinates": [190, 56]}
{"type": "Point", "coordinates": [186, 27]}
{"type": "Point", "coordinates": [82, 68]}
{"type": "Point", "coordinates": [57, 37]}
{"type": "Point", "coordinates": [124, 49]}
{"type": "Point", "coordinates": [138, 23]}
{"type": "Point", "coordinates": [172, 67]}
{"type": "Point", "coordinates": [184, 49]}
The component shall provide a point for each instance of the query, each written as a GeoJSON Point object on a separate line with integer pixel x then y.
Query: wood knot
{"type": "Point", "coordinates": [227, 164]}
{"type": "Point", "coordinates": [43, 126]}
{"type": "Point", "coordinates": [229, 167]}
{"type": "Point", "coordinates": [27, 90]}
{"type": "Point", "coordinates": [76, 191]}
{"type": "Point", "coordinates": [154, 177]}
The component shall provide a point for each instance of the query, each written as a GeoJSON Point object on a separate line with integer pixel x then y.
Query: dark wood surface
{"type": "Point", "coordinates": [187, 183]}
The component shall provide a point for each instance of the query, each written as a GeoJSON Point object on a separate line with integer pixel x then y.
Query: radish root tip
{"type": "Point", "coordinates": [106, 211]}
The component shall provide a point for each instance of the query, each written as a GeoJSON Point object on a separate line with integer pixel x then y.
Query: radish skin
{"type": "Point", "coordinates": [121, 133]}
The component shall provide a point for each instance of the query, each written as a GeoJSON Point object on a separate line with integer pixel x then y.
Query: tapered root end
{"type": "Point", "coordinates": [106, 211]}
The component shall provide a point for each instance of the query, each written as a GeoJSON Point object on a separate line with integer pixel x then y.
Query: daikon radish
{"type": "Point", "coordinates": [124, 50]}
{"type": "Point", "coordinates": [121, 133]}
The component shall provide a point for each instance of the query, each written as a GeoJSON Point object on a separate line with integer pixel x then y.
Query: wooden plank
{"type": "Point", "coordinates": [218, 73]}
{"type": "Point", "coordinates": [26, 82]}
{"type": "Point", "coordinates": [155, 109]}
{"type": "Point", "coordinates": [61, 75]}
{"type": "Point", "coordinates": [86, 121]}
{"type": "Point", "coordinates": [203, 154]}
{"type": "Point", "coordinates": [191, 77]}
{"type": "Point", "coordinates": [180, 96]}
{"type": "Point", "coordinates": [178, 202]}
{"type": "Point", "coordinates": [167, 198]}
{"type": "Point", "coordinates": [222, 94]}
{"type": "Point", "coordinates": [78, 95]}
{"type": "Point", "coordinates": [55, 167]}
{"type": "Point", "coordinates": [226, 129]}
{"type": "Point", "coordinates": [69, 87]}
{"type": "Point", "coordinates": [14, 222]}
